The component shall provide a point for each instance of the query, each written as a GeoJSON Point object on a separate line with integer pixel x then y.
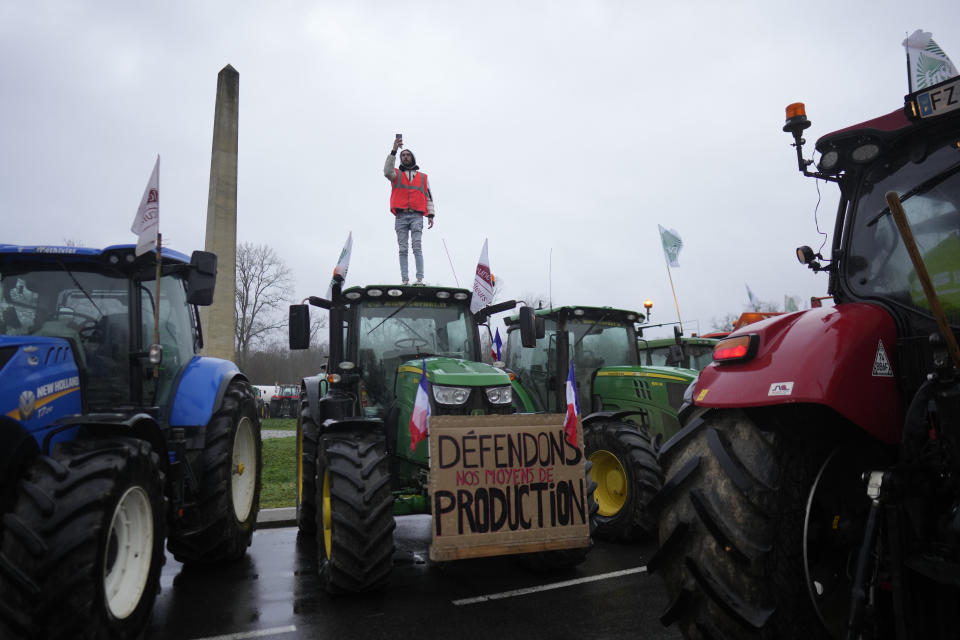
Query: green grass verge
{"type": "Point", "coordinates": [285, 424]}
{"type": "Point", "coordinates": [279, 479]}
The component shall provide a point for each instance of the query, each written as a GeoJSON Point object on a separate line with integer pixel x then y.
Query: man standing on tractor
{"type": "Point", "coordinates": [410, 201]}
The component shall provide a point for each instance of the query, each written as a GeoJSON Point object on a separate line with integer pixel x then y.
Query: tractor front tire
{"type": "Point", "coordinates": [628, 477]}
{"type": "Point", "coordinates": [226, 513]}
{"type": "Point", "coordinates": [354, 508]}
{"type": "Point", "coordinates": [83, 547]}
{"type": "Point", "coordinates": [307, 473]}
{"type": "Point", "coordinates": [732, 513]}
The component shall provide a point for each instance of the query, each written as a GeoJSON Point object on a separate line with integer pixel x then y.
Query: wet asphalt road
{"type": "Point", "coordinates": [274, 593]}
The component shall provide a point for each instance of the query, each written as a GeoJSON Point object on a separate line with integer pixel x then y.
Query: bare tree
{"type": "Point", "coordinates": [318, 325]}
{"type": "Point", "coordinates": [726, 321]}
{"type": "Point", "coordinates": [263, 283]}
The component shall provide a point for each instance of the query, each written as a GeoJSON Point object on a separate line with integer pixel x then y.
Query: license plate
{"type": "Point", "coordinates": [939, 100]}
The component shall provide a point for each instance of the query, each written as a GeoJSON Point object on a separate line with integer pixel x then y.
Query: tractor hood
{"type": "Point", "coordinates": [671, 374]}
{"type": "Point", "coordinates": [456, 372]}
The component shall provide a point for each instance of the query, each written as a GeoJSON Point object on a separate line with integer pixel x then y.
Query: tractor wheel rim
{"type": "Point", "coordinates": [832, 533]}
{"type": "Point", "coordinates": [128, 553]}
{"type": "Point", "coordinates": [611, 479]}
{"type": "Point", "coordinates": [327, 516]}
{"type": "Point", "coordinates": [243, 475]}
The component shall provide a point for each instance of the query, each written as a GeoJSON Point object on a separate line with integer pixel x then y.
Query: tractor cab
{"type": "Point", "coordinates": [103, 304]}
{"type": "Point", "coordinates": [384, 338]}
{"type": "Point", "coordinates": [914, 152]}
{"type": "Point", "coordinates": [683, 351]}
{"type": "Point", "coordinates": [590, 337]}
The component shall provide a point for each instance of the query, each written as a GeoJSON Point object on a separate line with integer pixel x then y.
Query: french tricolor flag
{"type": "Point", "coordinates": [420, 418]}
{"type": "Point", "coordinates": [573, 409]}
{"type": "Point", "coordinates": [495, 351]}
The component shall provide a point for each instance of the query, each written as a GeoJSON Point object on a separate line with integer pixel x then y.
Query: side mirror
{"type": "Point", "coordinates": [299, 326]}
{"type": "Point", "coordinates": [676, 334]}
{"type": "Point", "coordinates": [528, 327]}
{"type": "Point", "coordinates": [202, 279]}
{"type": "Point", "coordinates": [675, 356]}
{"type": "Point", "coordinates": [541, 328]}
{"type": "Point", "coordinates": [482, 315]}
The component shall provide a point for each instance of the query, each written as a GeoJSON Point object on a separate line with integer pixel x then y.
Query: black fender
{"type": "Point", "coordinates": [141, 426]}
{"type": "Point", "coordinates": [310, 389]}
{"type": "Point", "coordinates": [333, 425]}
{"type": "Point", "coordinates": [17, 450]}
{"type": "Point", "coordinates": [610, 416]}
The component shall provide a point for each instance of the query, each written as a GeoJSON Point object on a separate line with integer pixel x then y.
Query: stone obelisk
{"type": "Point", "coordinates": [218, 320]}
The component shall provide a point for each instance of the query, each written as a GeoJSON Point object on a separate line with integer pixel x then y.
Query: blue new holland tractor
{"type": "Point", "coordinates": [115, 436]}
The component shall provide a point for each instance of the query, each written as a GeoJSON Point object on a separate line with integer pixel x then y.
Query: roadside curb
{"type": "Point", "coordinates": [282, 517]}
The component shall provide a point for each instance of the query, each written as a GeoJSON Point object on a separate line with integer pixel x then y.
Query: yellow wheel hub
{"type": "Point", "coordinates": [611, 479]}
{"type": "Point", "coordinates": [327, 519]}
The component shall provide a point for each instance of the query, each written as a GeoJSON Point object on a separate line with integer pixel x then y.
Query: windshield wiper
{"type": "Point", "coordinates": [923, 187]}
{"type": "Point", "coordinates": [588, 331]}
{"type": "Point", "coordinates": [399, 309]}
{"type": "Point", "coordinates": [80, 286]}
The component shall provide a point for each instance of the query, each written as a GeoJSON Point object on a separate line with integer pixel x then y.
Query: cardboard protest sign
{"type": "Point", "coordinates": [505, 484]}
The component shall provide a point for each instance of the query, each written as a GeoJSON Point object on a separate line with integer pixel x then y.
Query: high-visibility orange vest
{"type": "Point", "coordinates": [407, 194]}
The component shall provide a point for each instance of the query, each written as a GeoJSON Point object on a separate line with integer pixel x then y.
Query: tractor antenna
{"type": "Point", "coordinates": [550, 278]}
{"type": "Point", "coordinates": [455, 279]}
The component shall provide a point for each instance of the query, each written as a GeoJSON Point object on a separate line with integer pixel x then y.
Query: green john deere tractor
{"type": "Point", "coordinates": [357, 467]}
{"type": "Point", "coordinates": [628, 409]}
{"type": "Point", "coordinates": [687, 352]}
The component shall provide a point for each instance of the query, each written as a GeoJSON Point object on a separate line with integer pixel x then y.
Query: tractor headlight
{"type": "Point", "coordinates": [500, 395]}
{"type": "Point", "coordinates": [451, 395]}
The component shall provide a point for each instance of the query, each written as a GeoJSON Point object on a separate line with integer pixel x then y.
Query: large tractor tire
{"type": "Point", "coordinates": [733, 516]}
{"type": "Point", "coordinates": [354, 507]}
{"type": "Point", "coordinates": [627, 474]}
{"type": "Point", "coordinates": [82, 549]}
{"type": "Point", "coordinates": [567, 558]}
{"type": "Point", "coordinates": [226, 513]}
{"type": "Point", "coordinates": [307, 434]}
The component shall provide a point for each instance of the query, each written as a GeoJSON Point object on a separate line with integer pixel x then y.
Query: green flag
{"type": "Point", "coordinates": [671, 245]}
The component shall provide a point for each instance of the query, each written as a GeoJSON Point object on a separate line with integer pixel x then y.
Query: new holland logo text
{"type": "Point", "coordinates": [63, 384]}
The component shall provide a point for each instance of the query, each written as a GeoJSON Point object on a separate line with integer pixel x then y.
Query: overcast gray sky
{"type": "Point", "coordinates": [553, 126]}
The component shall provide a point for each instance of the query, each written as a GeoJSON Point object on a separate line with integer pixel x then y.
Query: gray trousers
{"type": "Point", "coordinates": [409, 224]}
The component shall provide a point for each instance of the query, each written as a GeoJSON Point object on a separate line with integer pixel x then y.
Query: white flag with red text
{"type": "Point", "coordinates": [482, 283]}
{"type": "Point", "coordinates": [147, 223]}
{"type": "Point", "coordinates": [343, 264]}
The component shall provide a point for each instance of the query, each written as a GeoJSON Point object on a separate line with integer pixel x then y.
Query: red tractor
{"type": "Point", "coordinates": [814, 488]}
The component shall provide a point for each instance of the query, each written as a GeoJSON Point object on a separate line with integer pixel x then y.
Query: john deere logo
{"type": "Point", "coordinates": [27, 404]}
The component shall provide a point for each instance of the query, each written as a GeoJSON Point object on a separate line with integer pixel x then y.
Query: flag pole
{"type": "Point", "coordinates": [550, 279]}
{"type": "Point", "coordinates": [906, 51]}
{"type": "Point", "coordinates": [156, 307]}
{"type": "Point", "coordinates": [673, 291]}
